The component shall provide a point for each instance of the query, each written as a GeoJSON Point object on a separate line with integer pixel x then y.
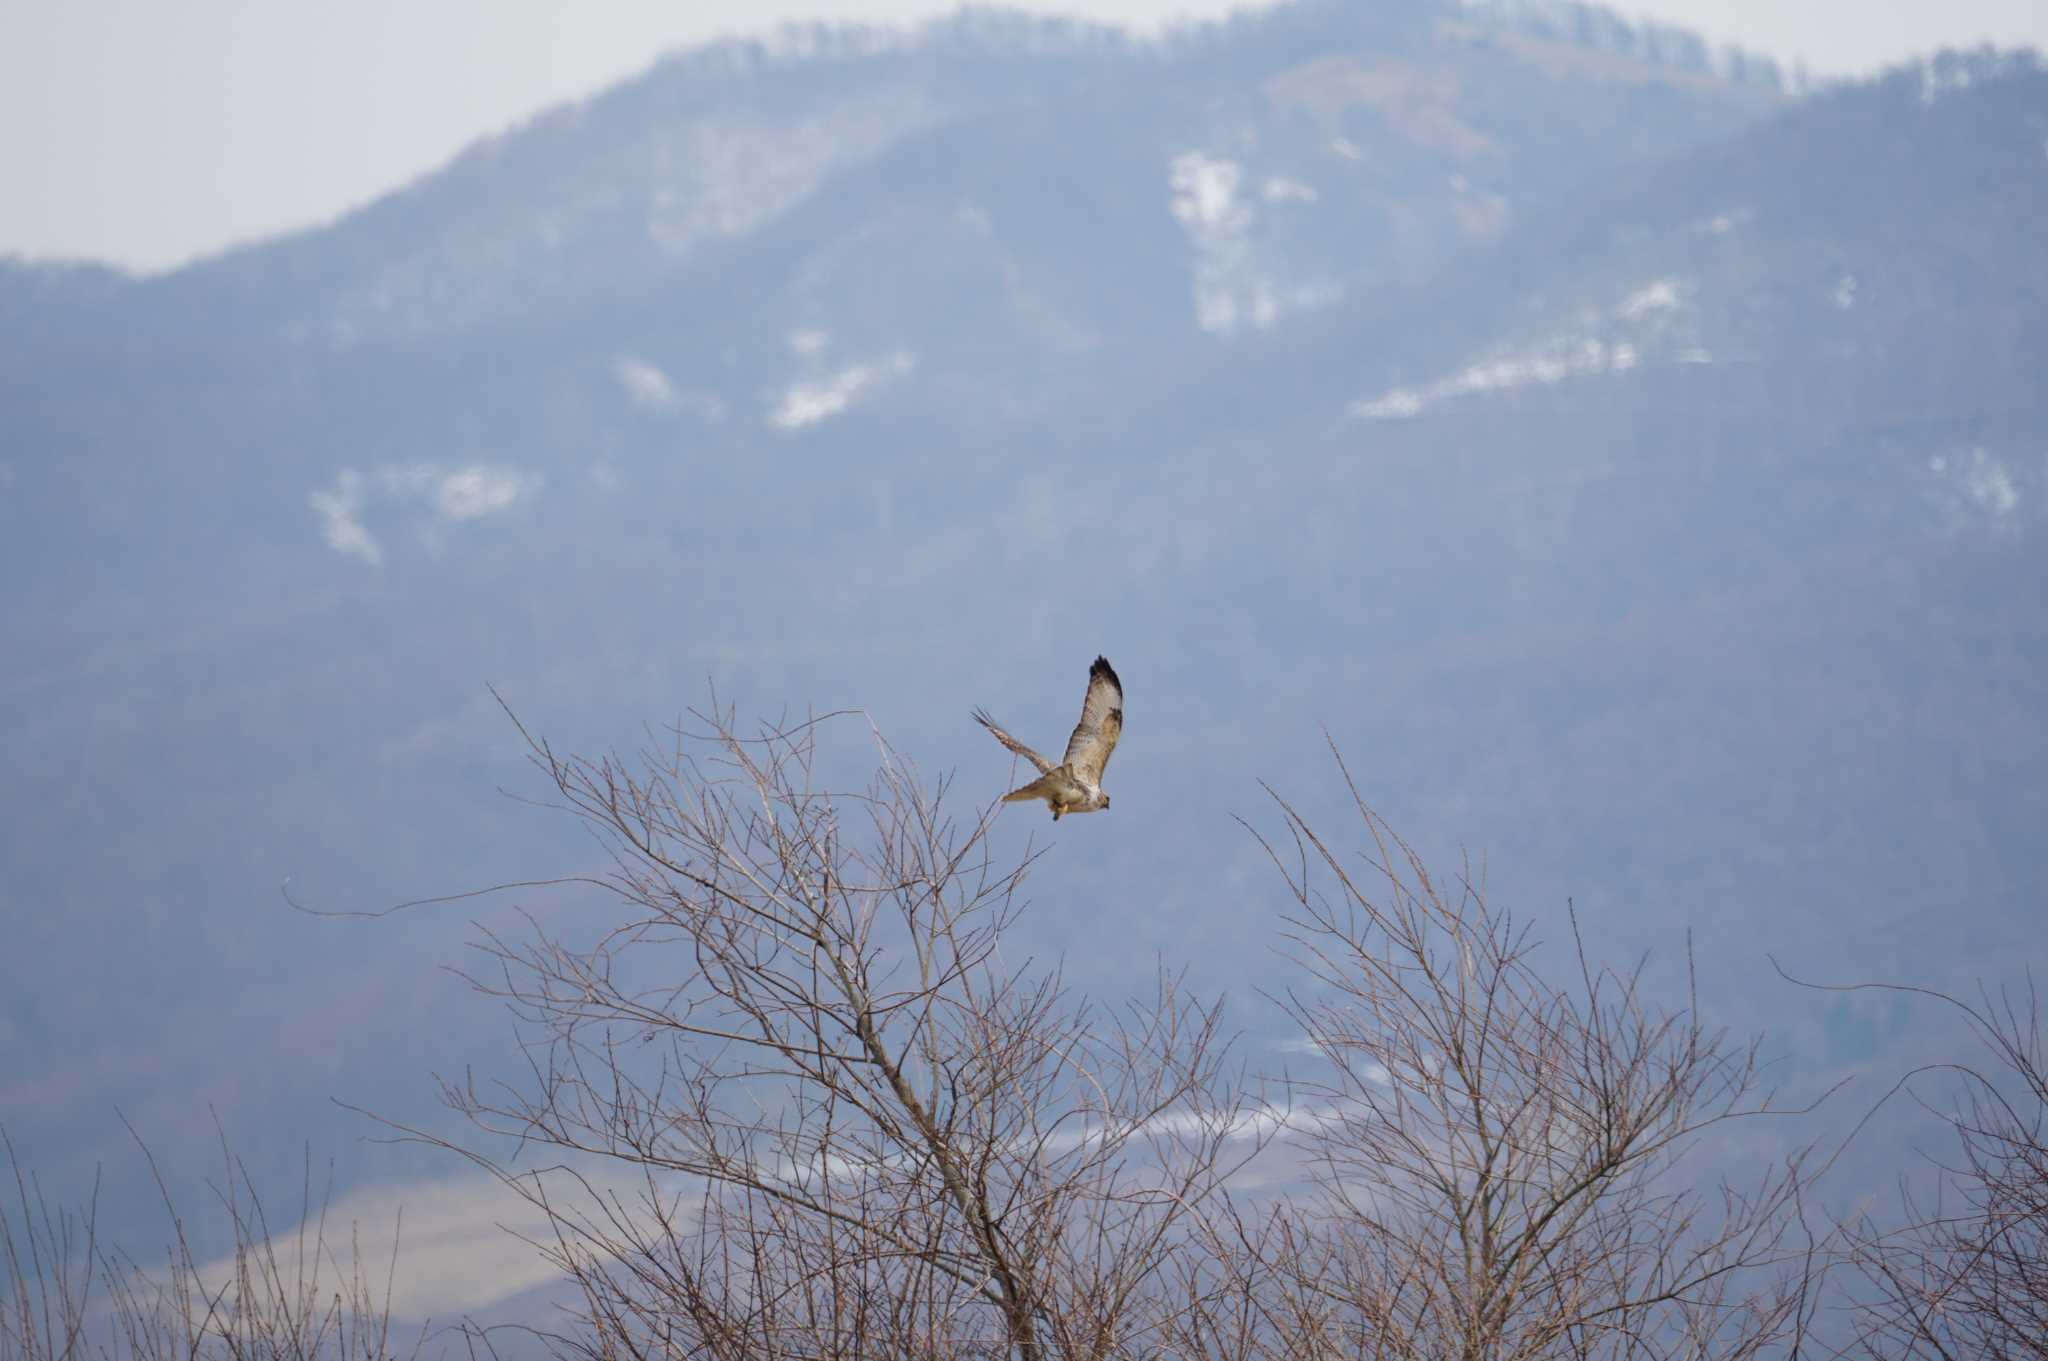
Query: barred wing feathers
{"type": "Point", "coordinates": [1044, 766]}
{"type": "Point", "coordinates": [1102, 722]}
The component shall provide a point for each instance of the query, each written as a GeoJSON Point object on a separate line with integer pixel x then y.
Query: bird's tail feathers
{"type": "Point", "coordinates": [1035, 790]}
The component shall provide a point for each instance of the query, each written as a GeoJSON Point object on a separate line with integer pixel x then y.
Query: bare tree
{"type": "Point", "coordinates": [1964, 1272]}
{"type": "Point", "coordinates": [854, 1126]}
{"type": "Point", "coordinates": [1499, 1163]}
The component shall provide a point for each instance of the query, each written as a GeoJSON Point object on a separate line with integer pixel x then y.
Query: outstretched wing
{"type": "Point", "coordinates": [1102, 722]}
{"type": "Point", "coordinates": [1044, 766]}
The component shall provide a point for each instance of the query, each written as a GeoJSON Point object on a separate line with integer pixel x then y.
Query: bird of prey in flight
{"type": "Point", "coordinates": [1075, 784]}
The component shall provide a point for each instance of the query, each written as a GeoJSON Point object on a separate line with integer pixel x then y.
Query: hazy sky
{"type": "Point", "coordinates": [148, 133]}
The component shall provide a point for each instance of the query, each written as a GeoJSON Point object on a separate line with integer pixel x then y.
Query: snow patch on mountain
{"type": "Point", "coordinates": [452, 495]}
{"type": "Point", "coordinates": [1659, 319]}
{"type": "Point", "coordinates": [644, 383]}
{"type": "Point", "coordinates": [1552, 362]}
{"type": "Point", "coordinates": [806, 402]}
{"type": "Point", "coordinates": [1720, 224]}
{"type": "Point", "coordinates": [1233, 287]}
{"type": "Point", "coordinates": [1281, 189]}
{"type": "Point", "coordinates": [568, 217]}
{"type": "Point", "coordinates": [340, 508]}
{"type": "Point", "coordinates": [465, 493]}
{"type": "Point", "coordinates": [649, 387]}
{"type": "Point", "coordinates": [1976, 486]}
{"type": "Point", "coordinates": [721, 177]}
{"type": "Point", "coordinates": [1664, 295]}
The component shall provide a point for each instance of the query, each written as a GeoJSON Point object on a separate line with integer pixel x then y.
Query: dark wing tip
{"type": "Point", "coordinates": [1103, 668]}
{"type": "Point", "coordinates": [981, 717]}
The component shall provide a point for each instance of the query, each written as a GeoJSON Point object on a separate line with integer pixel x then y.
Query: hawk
{"type": "Point", "coordinates": [1075, 784]}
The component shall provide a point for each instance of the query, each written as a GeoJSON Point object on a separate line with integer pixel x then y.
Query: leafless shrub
{"type": "Point", "coordinates": [854, 1127]}
{"type": "Point", "coordinates": [1499, 1162]}
{"type": "Point", "coordinates": [49, 1258]}
{"type": "Point", "coordinates": [270, 1299]}
{"type": "Point", "coordinates": [1963, 1271]}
